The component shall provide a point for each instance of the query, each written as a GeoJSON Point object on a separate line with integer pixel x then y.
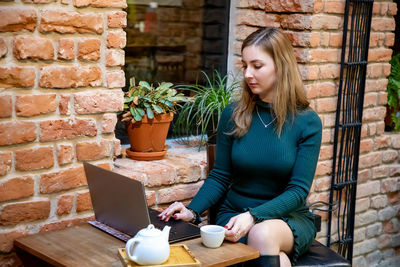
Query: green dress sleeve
{"type": "Point", "coordinates": [303, 171]}
{"type": "Point", "coordinates": [219, 179]}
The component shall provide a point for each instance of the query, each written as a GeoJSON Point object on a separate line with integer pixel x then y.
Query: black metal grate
{"type": "Point", "coordinates": [354, 58]}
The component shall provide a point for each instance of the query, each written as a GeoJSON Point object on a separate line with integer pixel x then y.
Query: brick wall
{"type": "Point", "coordinates": [60, 80]}
{"type": "Point", "coordinates": [315, 29]}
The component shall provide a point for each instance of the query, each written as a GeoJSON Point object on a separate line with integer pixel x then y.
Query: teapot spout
{"type": "Point", "coordinates": [165, 232]}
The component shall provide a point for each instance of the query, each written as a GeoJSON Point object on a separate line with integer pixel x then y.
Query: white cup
{"type": "Point", "coordinates": [212, 236]}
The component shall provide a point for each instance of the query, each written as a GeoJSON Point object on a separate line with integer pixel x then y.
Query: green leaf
{"type": "Point", "coordinates": [140, 111]}
{"type": "Point", "coordinates": [157, 109]}
{"type": "Point", "coordinates": [150, 113]}
{"type": "Point", "coordinates": [145, 85]}
{"type": "Point", "coordinates": [128, 99]}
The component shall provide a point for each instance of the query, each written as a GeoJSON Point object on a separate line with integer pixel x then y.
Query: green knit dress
{"type": "Point", "coordinates": [264, 174]}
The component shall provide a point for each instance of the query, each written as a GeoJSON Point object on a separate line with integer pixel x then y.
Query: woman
{"type": "Point", "coordinates": [267, 150]}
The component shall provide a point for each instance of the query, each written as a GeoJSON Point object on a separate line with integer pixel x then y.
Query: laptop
{"type": "Point", "coordinates": [120, 207]}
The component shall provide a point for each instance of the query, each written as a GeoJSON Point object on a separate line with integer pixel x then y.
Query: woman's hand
{"type": "Point", "coordinates": [238, 226]}
{"type": "Point", "coordinates": [176, 210]}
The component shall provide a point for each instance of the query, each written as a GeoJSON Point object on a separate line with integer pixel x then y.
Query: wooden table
{"type": "Point", "coordinates": [85, 245]}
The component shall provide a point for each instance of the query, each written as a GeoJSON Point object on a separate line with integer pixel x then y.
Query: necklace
{"type": "Point", "coordinates": [265, 125]}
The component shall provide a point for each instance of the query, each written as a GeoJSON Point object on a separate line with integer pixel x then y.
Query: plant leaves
{"type": "Point", "coordinates": [150, 113]}
{"type": "Point", "coordinates": [157, 109]}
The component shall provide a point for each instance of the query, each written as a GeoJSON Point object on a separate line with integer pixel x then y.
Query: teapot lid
{"type": "Point", "coordinates": [150, 230]}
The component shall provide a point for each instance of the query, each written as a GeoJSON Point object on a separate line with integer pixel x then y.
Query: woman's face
{"type": "Point", "coordinates": [259, 72]}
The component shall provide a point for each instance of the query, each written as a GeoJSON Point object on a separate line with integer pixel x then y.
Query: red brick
{"type": "Point", "coordinates": [327, 136]}
{"type": "Point", "coordinates": [376, 8]}
{"type": "Point", "coordinates": [390, 156]}
{"type": "Point", "coordinates": [390, 227]}
{"type": "Point", "coordinates": [108, 123]}
{"type": "Point", "coordinates": [318, 6]}
{"type": "Point", "coordinates": [374, 114]}
{"type": "Point", "coordinates": [89, 49]}
{"type": "Point", "coordinates": [383, 24]}
{"type": "Point", "coordinates": [368, 189]}
{"type": "Point", "coordinates": [366, 145]}
{"type": "Point", "coordinates": [370, 100]}
{"type": "Point", "coordinates": [24, 212]}
{"type": "Point", "coordinates": [16, 188]}
{"type": "Point", "coordinates": [7, 243]}
{"type": "Point", "coordinates": [70, 22]}
{"type": "Point", "coordinates": [64, 205]}
{"type": "Point", "coordinates": [65, 154]}
{"type": "Point", "coordinates": [70, 76]}
{"type": "Point", "coordinates": [5, 106]}
{"type": "Point", "coordinates": [86, 103]}
{"type": "Point", "coordinates": [178, 192]}
{"type": "Point", "coordinates": [115, 57]}
{"type": "Point", "coordinates": [31, 105]}
{"type": "Point", "coordinates": [374, 70]}
{"type": "Point", "coordinates": [289, 6]}
{"type": "Point", "coordinates": [322, 184]}
{"type": "Point", "coordinates": [364, 176]}
{"type": "Point", "coordinates": [379, 54]}
{"type": "Point", "coordinates": [13, 76]}
{"type": "Point", "coordinates": [27, 47]}
{"type": "Point", "coordinates": [386, 69]}
{"type": "Point", "coordinates": [324, 55]}
{"type": "Point", "coordinates": [326, 22]}
{"type": "Point", "coordinates": [115, 79]}
{"type": "Point", "coordinates": [116, 19]}
{"type": "Point", "coordinates": [62, 180]}
{"type": "Point", "coordinates": [259, 4]}
{"type": "Point", "coordinates": [14, 20]}
{"type": "Point", "coordinates": [315, 39]}
{"type": "Point", "coordinates": [150, 197]}
{"type": "Point", "coordinates": [329, 71]}
{"type": "Point", "coordinates": [324, 168]}
{"type": "Point", "coordinates": [92, 150]}
{"type": "Point", "coordinates": [322, 89]}
{"type": "Point", "coordinates": [100, 3]}
{"type": "Point", "coordinates": [3, 47]}
{"type": "Point", "coordinates": [326, 104]}
{"type": "Point", "coordinates": [380, 172]}
{"type": "Point", "coordinates": [392, 9]}
{"type": "Point", "coordinates": [376, 85]}
{"type": "Point", "coordinates": [396, 141]}
{"type": "Point", "coordinates": [242, 31]}
{"type": "Point", "coordinates": [394, 198]}
{"type": "Point", "coordinates": [60, 225]}
{"type": "Point", "coordinates": [66, 49]}
{"type": "Point", "coordinates": [309, 72]}
{"type": "Point", "coordinates": [257, 18]}
{"type": "Point", "coordinates": [64, 105]}
{"type": "Point", "coordinates": [390, 185]}
{"type": "Point", "coordinates": [5, 162]}
{"type": "Point", "coordinates": [67, 129]}
{"type": "Point", "coordinates": [296, 22]}
{"type": "Point", "coordinates": [17, 132]}
{"type": "Point", "coordinates": [34, 159]}
{"type": "Point", "coordinates": [334, 7]}
{"type": "Point", "coordinates": [116, 39]}
{"type": "Point", "coordinates": [382, 142]}
{"type": "Point", "coordinates": [38, 1]}
{"type": "Point", "coordinates": [382, 98]}
{"type": "Point", "coordinates": [370, 160]}
{"type": "Point", "coordinates": [83, 202]}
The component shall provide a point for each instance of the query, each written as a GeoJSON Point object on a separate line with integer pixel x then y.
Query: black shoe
{"type": "Point", "coordinates": [264, 261]}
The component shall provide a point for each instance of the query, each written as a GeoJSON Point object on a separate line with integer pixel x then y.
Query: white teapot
{"type": "Point", "coordinates": [149, 246]}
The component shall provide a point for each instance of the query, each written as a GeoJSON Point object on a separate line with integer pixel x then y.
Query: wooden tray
{"type": "Point", "coordinates": [179, 255]}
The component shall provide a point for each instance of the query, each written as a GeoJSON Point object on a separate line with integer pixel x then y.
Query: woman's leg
{"type": "Point", "coordinates": [272, 237]}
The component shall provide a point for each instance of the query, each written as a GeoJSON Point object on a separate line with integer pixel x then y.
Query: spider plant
{"type": "Point", "coordinates": [203, 110]}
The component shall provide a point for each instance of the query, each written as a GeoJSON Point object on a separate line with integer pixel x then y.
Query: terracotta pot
{"type": "Point", "coordinates": [149, 135]}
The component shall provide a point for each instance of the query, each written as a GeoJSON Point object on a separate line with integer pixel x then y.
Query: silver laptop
{"type": "Point", "coordinates": [120, 207]}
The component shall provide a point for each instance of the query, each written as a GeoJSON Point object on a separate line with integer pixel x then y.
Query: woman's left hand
{"type": "Point", "coordinates": [238, 226]}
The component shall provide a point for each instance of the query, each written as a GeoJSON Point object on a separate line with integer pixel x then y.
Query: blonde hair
{"type": "Point", "coordinates": [289, 94]}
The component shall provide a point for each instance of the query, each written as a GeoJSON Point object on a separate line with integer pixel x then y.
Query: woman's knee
{"type": "Point", "coordinates": [262, 233]}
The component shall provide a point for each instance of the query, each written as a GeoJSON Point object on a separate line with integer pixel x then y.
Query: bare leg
{"type": "Point", "coordinates": [284, 259]}
{"type": "Point", "coordinates": [272, 237]}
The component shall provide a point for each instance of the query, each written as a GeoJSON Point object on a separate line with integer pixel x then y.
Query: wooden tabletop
{"type": "Point", "coordinates": [85, 245]}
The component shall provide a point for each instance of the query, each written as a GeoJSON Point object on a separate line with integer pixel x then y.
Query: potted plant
{"type": "Point", "coordinates": [201, 114]}
{"type": "Point", "coordinates": [148, 112]}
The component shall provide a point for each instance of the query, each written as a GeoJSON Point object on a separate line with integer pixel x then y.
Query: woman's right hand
{"type": "Point", "coordinates": [176, 210]}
